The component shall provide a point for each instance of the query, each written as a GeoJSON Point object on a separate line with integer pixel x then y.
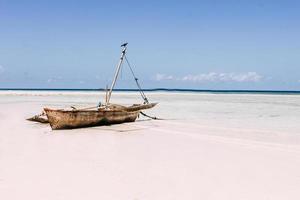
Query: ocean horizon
{"type": "Point", "coordinates": [287, 92]}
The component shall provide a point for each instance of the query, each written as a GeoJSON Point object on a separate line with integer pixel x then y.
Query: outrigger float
{"type": "Point", "coordinates": [103, 114]}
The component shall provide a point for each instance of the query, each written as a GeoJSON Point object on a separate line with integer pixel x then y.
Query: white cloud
{"type": "Point", "coordinates": [54, 79]}
{"type": "Point", "coordinates": [214, 77]}
{"type": "Point", "coordinates": [161, 77]}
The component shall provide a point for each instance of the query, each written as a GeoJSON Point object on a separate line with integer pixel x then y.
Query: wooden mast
{"type": "Point", "coordinates": [117, 72]}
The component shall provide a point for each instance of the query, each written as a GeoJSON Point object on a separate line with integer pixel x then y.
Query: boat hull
{"type": "Point", "coordinates": [64, 119]}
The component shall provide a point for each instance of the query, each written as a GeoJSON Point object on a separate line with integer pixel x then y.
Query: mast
{"type": "Point", "coordinates": [117, 71]}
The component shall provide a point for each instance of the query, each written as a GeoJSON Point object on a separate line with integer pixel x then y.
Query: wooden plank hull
{"type": "Point", "coordinates": [64, 119]}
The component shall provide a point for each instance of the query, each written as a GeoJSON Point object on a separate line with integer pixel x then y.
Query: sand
{"type": "Point", "coordinates": [209, 146]}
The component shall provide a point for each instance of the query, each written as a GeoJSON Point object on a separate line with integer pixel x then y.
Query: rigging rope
{"type": "Point", "coordinates": [155, 118]}
{"type": "Point", "coordinates": [140, 90]}
{"type": "Point", "coordinates": [137, 82]}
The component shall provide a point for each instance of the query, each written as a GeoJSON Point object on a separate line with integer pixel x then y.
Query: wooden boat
{"type": "Point", "coordinates": [105, 114]}
{"type": "Point", "coordinates": [66, 119]}
{"type": "Point", "coordinates": [42, 118]}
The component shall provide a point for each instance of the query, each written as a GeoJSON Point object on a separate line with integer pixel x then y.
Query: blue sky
{"type": "Point", "coordinates": [175, 44]}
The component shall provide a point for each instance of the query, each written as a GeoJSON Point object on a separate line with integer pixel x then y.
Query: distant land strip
{"type": "Point", "coordinates": [160, 89]}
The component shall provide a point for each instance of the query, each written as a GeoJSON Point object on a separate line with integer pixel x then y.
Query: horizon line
{"type": "Point", "coordinates": [157, 89]}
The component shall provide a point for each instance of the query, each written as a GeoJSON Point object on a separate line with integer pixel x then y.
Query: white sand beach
{"type": "Point", "coordinates": [209, 146]}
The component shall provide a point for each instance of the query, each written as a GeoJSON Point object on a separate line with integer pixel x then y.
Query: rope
{"type": "Point", "coordinates": [136, 81]}
{"type": "Point", "coordinates": [140, 90]}
{"type": "Point", "coordinates": [155, 118]}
